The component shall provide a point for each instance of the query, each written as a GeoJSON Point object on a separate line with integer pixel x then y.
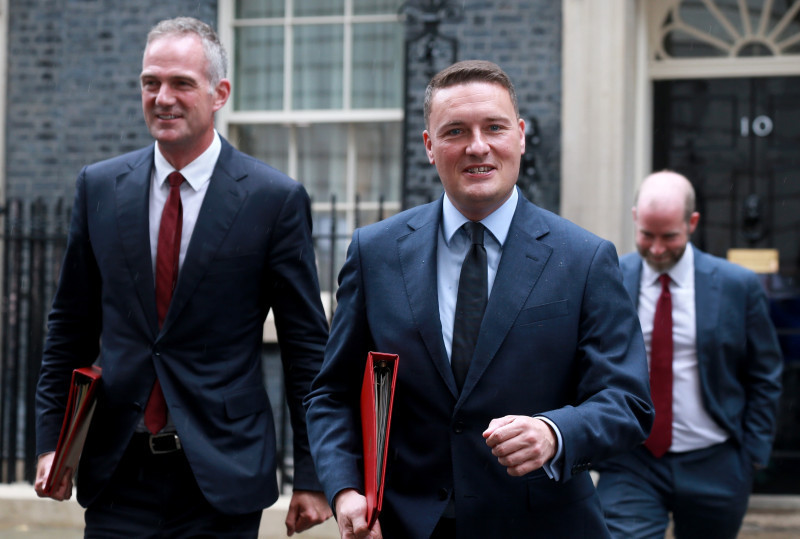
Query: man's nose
{"type": "Point", "coordinates": [657, 247]}
{"type": "Point", "coordinates": [477, 144]}
{"type": "Point", "coordinates": [164, 96]}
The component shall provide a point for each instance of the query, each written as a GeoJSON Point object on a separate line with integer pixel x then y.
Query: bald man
{"type": "Point", "coordinates": [715, 378]}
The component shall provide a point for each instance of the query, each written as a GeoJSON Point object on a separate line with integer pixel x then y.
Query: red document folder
{"type": "Point", "coordinates": [80, 408]}
{"type": "Point", "coordinates": [377, 396]}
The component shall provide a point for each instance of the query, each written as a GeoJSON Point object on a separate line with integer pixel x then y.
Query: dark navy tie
{"type": "Point", "coordinates": [470, 303]}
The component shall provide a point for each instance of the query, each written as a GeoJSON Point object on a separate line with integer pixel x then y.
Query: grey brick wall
{"type": "Point", "coordinates": [524, 38]}
{"type": "Point", "coordinates": [73, 95]}
{"type": "Point", "coordinates": [73, 90]}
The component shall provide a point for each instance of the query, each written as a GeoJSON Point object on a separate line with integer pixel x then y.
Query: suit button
{"type": "Point", "coordinates": [443, 494]}
{"type": "Point", "coordinates": [458, 427]}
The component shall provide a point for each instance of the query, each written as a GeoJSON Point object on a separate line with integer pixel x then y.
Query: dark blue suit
{"type": "Point", "coordinates": [559, 338]}
{"type": "Point", "coordinates": [250, 251]}
{"type": "Point", "coordinates": [739, 365]}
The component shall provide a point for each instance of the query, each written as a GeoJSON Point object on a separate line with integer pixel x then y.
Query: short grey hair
{"type": "Point", "coordinates": [216, 57]}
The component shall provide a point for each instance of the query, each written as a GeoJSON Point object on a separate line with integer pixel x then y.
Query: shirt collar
{"type": "Point", "coordinates": [680, 274]}
{"type": "Point", "coordinates": [195, 173]}
{"type": "Point", "coordinates": [498, 222]}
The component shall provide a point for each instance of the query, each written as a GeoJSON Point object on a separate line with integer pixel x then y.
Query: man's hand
{"type": "Point", "coordinates": [307, 508]}
{"type": "Point", "coordinates": [522, 444]}
{"type": "Point", "coordinates": [351, 514]}
{"type": "Point", "coordinates": [62, 491]}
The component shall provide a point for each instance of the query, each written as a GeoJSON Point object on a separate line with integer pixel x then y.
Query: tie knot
{"type": "Point", "coordinates": [664, 278]}
{"type": "Point", "coordinates": [175, 179]}
{"type": "Point", "coordinates": [475, 232]}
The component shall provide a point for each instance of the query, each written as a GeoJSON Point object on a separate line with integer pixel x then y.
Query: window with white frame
{"type": "Point", "coordinates": [317, 93]}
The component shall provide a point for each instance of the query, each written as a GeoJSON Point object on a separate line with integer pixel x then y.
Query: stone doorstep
{"type": "Point", "coordinates": [19, 505]}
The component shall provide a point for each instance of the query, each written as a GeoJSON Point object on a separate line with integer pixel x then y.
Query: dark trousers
{"type": "Point", "coordinates": [705, 490]}
{"type": "Point", "coordinates": [156, 496]}
{"type": "Point", "coordinates": [445, 529]}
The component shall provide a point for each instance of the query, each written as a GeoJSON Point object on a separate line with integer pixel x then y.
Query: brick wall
{"type": "Point", "coordinates": [73, 89]}
{"type": "Point", "coordinates": [524, 38]}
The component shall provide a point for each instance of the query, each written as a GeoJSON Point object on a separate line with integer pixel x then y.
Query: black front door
{"type": "Point", "coordinates": [738, 141]}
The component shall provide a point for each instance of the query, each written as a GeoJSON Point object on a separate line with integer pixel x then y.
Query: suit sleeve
{"type": "Point", "coordinates": [613, 411]}
{"type": "Point", "coordinates": [333, 421]}
{"type": "Point", "coordinates": [299, 320]}
{"type": "Point", "coordinates": [762, 380]}
{"type": "Point", "coordinates": [73, 325]}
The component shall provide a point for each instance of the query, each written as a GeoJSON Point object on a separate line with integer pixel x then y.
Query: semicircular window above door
{"type": "Point", "coordinates": [727, 28]}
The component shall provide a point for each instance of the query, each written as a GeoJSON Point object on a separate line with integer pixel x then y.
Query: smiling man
{"type": "Point", "coordinates": [715, 373]}
{"type": "Point", "coordinates": [176, 253]}
{"type": "Point", "coordinates": [521, 359]}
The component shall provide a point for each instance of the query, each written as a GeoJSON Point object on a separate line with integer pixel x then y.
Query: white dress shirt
{"type": "Point", "coordinates": [692, 426]}
{"type": "Point", "coordinates": [193, 191]}
{"type": "Point", "coordinates": [197, 175]}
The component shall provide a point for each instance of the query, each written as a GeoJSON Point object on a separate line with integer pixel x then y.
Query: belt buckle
{"type": "Point", "coordinates": [156, 443]}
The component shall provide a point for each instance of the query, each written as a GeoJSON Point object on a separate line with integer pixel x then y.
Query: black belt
{"type": "Point", "coordinates": [157, 444]}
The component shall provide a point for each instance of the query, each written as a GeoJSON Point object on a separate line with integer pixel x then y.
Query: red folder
{"type": "Point", "coordinates": [377, 396]}
{"type": "Point", "coordinates": [80, 408]}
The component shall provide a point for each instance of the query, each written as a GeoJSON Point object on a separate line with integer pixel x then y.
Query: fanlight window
{"type": "Point", "coordinates": [727, 28]}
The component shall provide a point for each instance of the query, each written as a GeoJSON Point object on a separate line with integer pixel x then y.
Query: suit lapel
{"type": "Point", "coordinates": [220, 206]}
{"type": "Point", "coordinates": [522, 262]}
{"type": "Point", "coordinates": [417, 253]}
{"type": "Point", "coordinates": [631, 277]}
{"type": "Point", "coordinates": [132, 205]}
{"type": "Point", "coordinates": [707, 298]}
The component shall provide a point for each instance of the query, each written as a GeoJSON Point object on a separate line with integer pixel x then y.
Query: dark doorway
{"type": "Point", "coordinates": [738, 141]}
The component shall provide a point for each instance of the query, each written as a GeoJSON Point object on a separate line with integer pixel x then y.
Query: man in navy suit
{"type": "Point", "coordinates": [557, 378]}
{"type": "Point", "coordinates": [719, 416]}
{"type": "Point", "coordinates": [245, 248]}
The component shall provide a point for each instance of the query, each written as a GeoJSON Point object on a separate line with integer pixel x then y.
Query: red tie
{"type": "Point", "coordinates": [167, 257]}
{"type": "Point", "coordinates": [661, 372]}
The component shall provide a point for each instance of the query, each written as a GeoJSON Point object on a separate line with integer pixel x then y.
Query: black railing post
{"type": "Point", "coordinates": [36, 327]}
{"type": "Point", "coordinates": [332, 261]}
{"type": "Point", "coordinates": [11, 323]}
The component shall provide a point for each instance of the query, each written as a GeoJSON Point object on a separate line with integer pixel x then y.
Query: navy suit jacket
{"type": "Point", "coordinates": [559, 338]}
{"type": "Point", "coordinates": [738, 355]}
{"type": "Point", "coordinates": [250, 251]}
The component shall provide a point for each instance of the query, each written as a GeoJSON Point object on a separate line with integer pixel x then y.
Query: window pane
{"type": "Point", "coordinates": [377, 65]}
{"type": "Point", "coordinates": [376, 7]}
{"type": "Point", "coordinates": [317, 73]}
{"type": "Point", "coordinates": [270, 143]}
{"type": "Point", "coordinates": [378, 161]}
{"type": "Point", "coordinates": [308, 8]}
{"type": "Point", "coordinates": [321, 160]}
{"type": "Point", "coordinates": [258, 83]}
{"type": "Point", "coordinates": [248, 9]}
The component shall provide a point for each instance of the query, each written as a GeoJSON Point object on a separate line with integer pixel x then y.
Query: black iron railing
{"type": "Point", "coordinates": [34, 239]}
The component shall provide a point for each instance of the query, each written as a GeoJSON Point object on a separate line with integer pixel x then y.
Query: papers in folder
{"type": "Point", "coordinates": [377, 396]}
{"type": "Point", "coordinates": [80, 408]}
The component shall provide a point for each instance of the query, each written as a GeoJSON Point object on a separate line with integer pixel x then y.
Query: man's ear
{"type": "Point", "coordinates": [221, 94]}
{"type": "Point", "coordinates": [428, 146]}
{"type": "Point", "coordinates": [693, 220]}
